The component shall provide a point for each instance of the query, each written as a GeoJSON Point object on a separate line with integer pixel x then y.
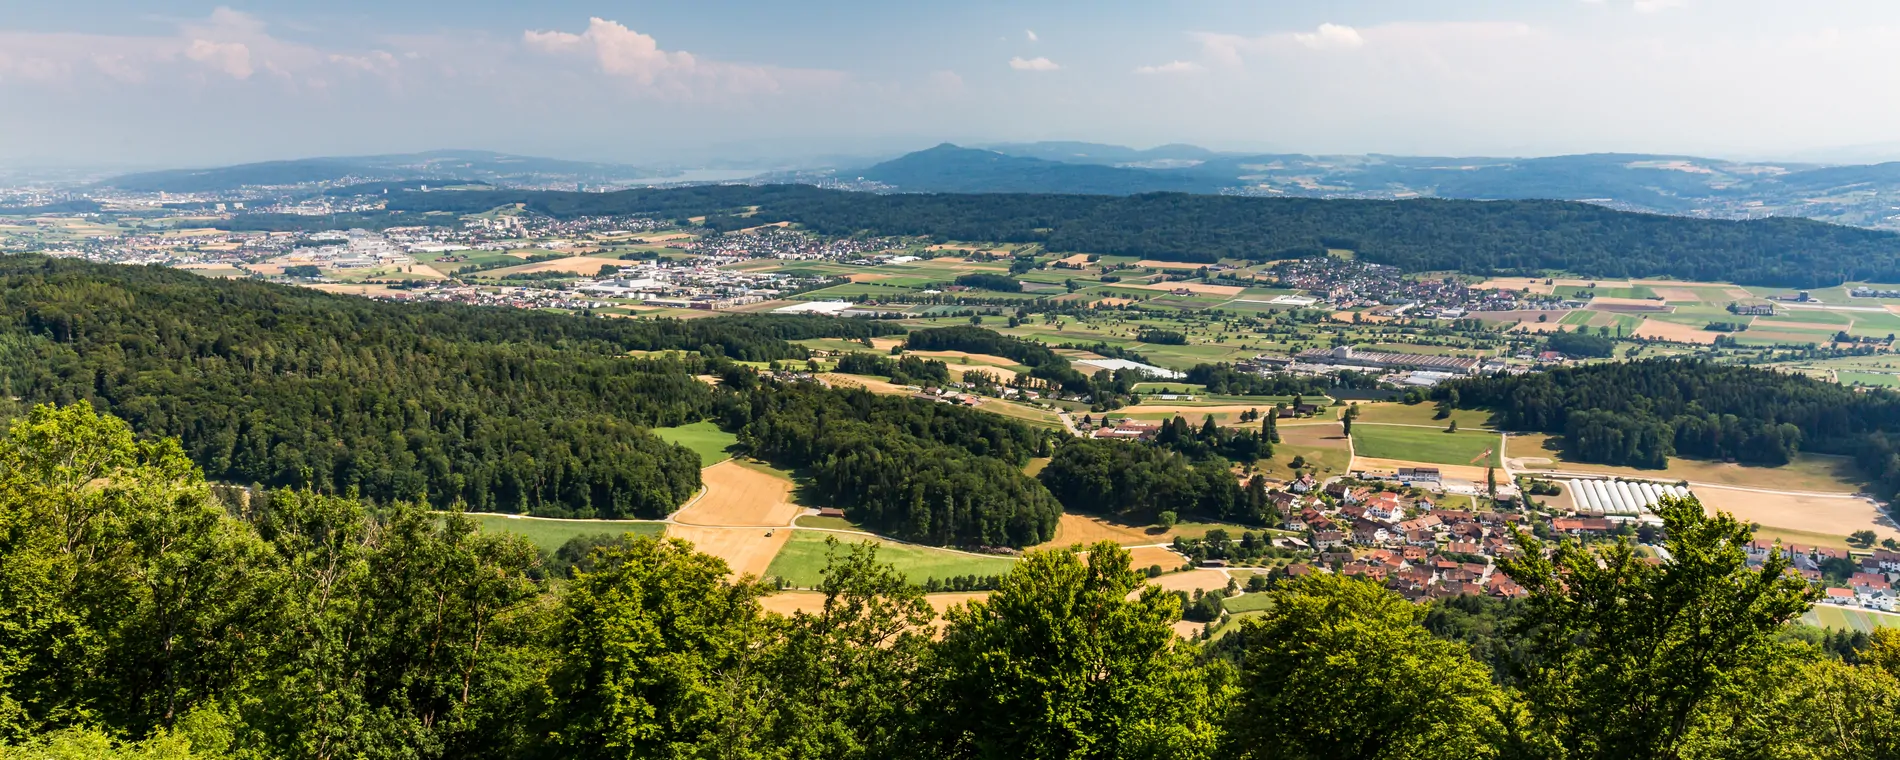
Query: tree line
{"type": "Point", "coordinates": [1642, 413]}
{"type": "Point", "coordinates": [1477, 237]}
{"type": "Point", "coordinates": [143, 617]}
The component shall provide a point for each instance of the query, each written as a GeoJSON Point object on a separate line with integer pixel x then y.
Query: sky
{"type": "Point", "coordinates": [177, 83]}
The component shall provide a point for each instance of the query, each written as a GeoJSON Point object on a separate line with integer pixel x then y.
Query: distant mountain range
{"type": "Point", "coordinates": [1861, 195]}
{"type": "Point", "coordinates": [443, 165]}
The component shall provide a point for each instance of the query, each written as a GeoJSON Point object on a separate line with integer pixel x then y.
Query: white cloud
{"type": "Point", "coordinates": [1656, 6]}
{"type": "Point", "coordinates": [1033, 64]}
{"type": "Point", "coordinates": [233, 58]}
{"type": "Point", "coordinates": [1171, 67]}
{"type": "Point", "coordinates": [1031, 34]}
{"type": "Point", "coordinates": [637, 58]}
{"type": "Point", "coordinates": [1330, 37]}
{"type": "Point", "coordinates": [617, 50]}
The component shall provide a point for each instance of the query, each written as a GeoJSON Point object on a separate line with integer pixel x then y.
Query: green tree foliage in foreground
{"type": "Point", "coordinates": [1341, 668]}
{"type": "Point", "coordinates": [142, 618]}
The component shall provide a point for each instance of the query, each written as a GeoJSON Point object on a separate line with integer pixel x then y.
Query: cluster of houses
{"type": "Point", "coordinates": [1870, 586]}
{"type": "Point", "coordinates": [1407, 544]}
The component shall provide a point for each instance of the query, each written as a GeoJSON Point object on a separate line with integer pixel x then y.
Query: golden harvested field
{"type": "Point", "coordinates": [867, 277]}
{"type": "Point", "coordinates": [1152, 264]}
{"type": "Point", "coordinates": [1195, 287]}
{"type": "Point", "coordinates": [871, 384]}
{"type": "Point", "coordinates": [1660, 330]}
{"type": "Point", "coordinates": [1829, 515]}
{"type": "Point", "coordinates": [191, 233]}
{"type": "Point", "coordinates": [954, 358]}
{"type": "Point", "coordinates": [1606, 303]}
{"type": "Point", "coordinates": [1080, 259]}
{"type": "Point", "coordinates": [1141, 558]}
{"type": "Point", "coordinates": [1112, 302]}
{"type": "Point", "coordinates": [1535, 285]}
{"type": "Point", "coordinates": [1187, 629]}
{"type": "Point", "coordinates": [1522, 315]}
{"type": "Point", "coordinates": [1088, 529]}
{"type": "Point", "coordinates": [885, 344]}
{"type": "Point", "coordinates": [352, 290]}
{"type": "Point", "coordinates": [747, 551]}
{"type": "Point", "coordinates": [788, 602]}
{"type": "Point", "coordinates": [1677, 294]}
{"type": "Point", "coordinates": [739, 495]}
{"type": "Point", "coordinates": [587, 266]}
{"type": "Point", "coordinates": [1462, 472]}
{"type": "Point", "coordinates": [1004, 376]}
{"type": "Point", "coordinates": [1203, 579]}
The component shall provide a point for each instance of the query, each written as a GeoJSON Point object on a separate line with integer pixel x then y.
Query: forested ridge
{"type": "Point", "coordinates": [144, 618]}
{"type": "Point", "coordinates": [1479, 237]}
{"type": "Point", "coordinates": [496, 409]}
{"type": "Point", "coordinates": [1641, 413]}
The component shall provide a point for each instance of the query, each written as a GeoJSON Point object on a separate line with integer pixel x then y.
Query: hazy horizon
{"type": "Point", "coordinates": [165, 83]}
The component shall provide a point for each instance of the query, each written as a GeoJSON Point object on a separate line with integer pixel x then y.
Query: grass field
{"type": "Point", "coordinates": [1424, 445]}
{"type": "Point", "coordinates": [1322, 448]}
{"type": "Point", "coordinates": [1418, 414]}
{"type": "Point", "coordinates": [550, 534]}
{"type": "Point", "coordinates": [803, 560]}
{"type": "Point", "coordinates": [1869, 378]}
{"type": "Point", "coordinates": [1847, 619]}
{"type": "Point", "coordinates": [704, 438]}
{"type": "Point", "coordinates": [1247, 603]}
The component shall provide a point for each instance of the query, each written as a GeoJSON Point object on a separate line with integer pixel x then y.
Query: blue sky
{"type": "Point", "coordinates": [162, 82]}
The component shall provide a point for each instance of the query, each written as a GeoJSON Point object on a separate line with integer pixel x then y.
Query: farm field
{"type": "Point", "coordinates": [548, 534]}
{"type": "Point", "coordinates": [704, 438]}
{"type": "Point", "coordinates": [737, 495]}
{"type": "Point", "coordinates": [1849, 619]}
{"type": "Point", "coordinates": [1410, 444]}
{"type": "Point", "coordinates": [1073, 528]}
{"type": "Point", "coordinates": [746, 551]}
{"type": "Point", "coordinates": [1808, 472]}
{"type": "Point", "coordinates": [802, 559]}
{"type": "Point", "coordinates": [1322, 447]}
{"type": "Point", "coordinates": [812, 602]}
{"type": "Point", "coordinates": [1825, 515]}
{"type": "Point", "coordinates": [1417, 414]}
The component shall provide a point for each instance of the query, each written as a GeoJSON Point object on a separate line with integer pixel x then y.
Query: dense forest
{"type": "Point", "coordinates": [911, 468]}
{"type": "Point", "coordinates": [494, 409]}
{"type": "Point", "coordinates": [1479, 237]}
{"type": "Point", "coordinates": [144, 618]}
{"type": "Point", "coordinates": [1642, 413]}
{"type": "Point", "coordinates": [1184, 471]}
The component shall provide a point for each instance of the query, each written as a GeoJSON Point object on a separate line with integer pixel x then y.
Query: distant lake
{"type": "Point", "coordinates": [711, 175]}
